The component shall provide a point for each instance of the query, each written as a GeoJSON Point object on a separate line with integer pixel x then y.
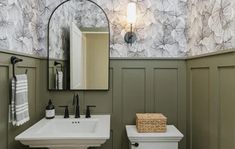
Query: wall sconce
{"type": "Point", "coordinates": [130, 37]}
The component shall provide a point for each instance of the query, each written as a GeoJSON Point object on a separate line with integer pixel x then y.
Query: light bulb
{"type": "Point", "coordinates": [131, 13]}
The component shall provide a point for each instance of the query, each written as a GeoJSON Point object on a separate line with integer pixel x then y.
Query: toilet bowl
{"type": "Point", "coordinates": [167, 140]}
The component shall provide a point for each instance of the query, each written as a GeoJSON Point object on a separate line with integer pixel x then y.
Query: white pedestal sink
{"type": "Point", "coordinates": [60, 133]}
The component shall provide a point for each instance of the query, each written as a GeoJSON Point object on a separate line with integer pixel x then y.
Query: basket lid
{"type": "Point", "coordinates": [150, 116]}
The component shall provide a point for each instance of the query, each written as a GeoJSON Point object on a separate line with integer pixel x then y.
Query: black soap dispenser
{"type": "Point", "coordinates": [50, 110]}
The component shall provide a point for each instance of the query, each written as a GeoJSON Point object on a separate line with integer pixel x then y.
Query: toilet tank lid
{"type": "Point", "coordinates": [171, 135]}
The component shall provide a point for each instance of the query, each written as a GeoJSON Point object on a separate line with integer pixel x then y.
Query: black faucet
{"type": "Point", "coordinates": [88, 112]}
{"type": "Point", "coordinates": [77, 109]}
{"type": "Point", "coordinates": [66, 111]}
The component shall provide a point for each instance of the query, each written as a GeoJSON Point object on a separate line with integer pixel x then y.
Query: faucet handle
{"type": "Point", "coordinates": [88, 112]}
{"type": "Point", "coordinates": [66, 111]}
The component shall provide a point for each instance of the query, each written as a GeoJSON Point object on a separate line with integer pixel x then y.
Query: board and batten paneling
{"type": "Point", "coordinates": [133, 98]}
{"type": "Point", "coordinates": [226, 107]}
{"type": "Point", "coordinates": [210, 102]}
{"type": "Point", "coordinates": [7, 131]}
{"type": "Point", "coordinates": [136, 85]}
{"type": "Point", "coordinates": [4, 72]}
{"type": "Point", "coordinates": [200, 108]}
{"type": "Point", "coordinates": [165, 93]}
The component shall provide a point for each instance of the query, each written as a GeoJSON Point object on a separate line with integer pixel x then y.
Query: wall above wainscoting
{"type": "Point", "coordinates": [210, 26]}
{"type": "Point", "coordinates": [160, 27]}
{"type": "Point", "coordinates": [169, 28]}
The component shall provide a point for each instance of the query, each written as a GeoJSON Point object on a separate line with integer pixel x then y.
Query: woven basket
{"type": "Point", "coordinates": [150, 122]}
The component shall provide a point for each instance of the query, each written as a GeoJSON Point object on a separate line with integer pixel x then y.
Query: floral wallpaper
{"type": "Point", "coordinates": [211, 25]}
{"type": "Point", "coordinates": [160, 28]}
{"type": "Point", "coordinates": [20, 26]}
{"type": "Point", "coordinates": [165, 28]}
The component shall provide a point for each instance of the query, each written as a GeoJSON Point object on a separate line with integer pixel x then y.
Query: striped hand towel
{"type": "Point", "coordinates": [19, 100]}
{"type": "Point", "coordinates": [59, 80]}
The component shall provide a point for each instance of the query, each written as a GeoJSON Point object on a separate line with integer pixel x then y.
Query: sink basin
{"type": "Point", "coordinates": [68, 127]}
{"type": "Point", "coordinates": [60, 133]}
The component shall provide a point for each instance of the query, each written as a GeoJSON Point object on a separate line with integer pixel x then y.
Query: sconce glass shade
{"type": "Point", "coordinates": [131, 13]}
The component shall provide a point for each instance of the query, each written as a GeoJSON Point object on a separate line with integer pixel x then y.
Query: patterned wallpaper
{"type": "Point", "coordinates": [165, 28]}
{"type": "Point", "coordinates": [20, 26]}
{"type": "Point", "coordinates": [211, 25]}
{"type": "Point", "coordinates": [160, 28]}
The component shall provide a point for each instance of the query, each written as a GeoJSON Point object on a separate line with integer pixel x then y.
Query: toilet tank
{"type": "Point", "coordinates": [167, 140]}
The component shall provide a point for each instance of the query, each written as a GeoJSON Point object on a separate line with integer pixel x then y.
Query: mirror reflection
{"type": "Point", "coordinates": [78, 42]}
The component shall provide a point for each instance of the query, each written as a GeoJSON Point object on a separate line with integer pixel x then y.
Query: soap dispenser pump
{"type": "Point", "coordinates": [50, 110]}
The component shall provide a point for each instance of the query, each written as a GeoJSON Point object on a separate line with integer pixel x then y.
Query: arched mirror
{"type": "Point", "coordinates": [78, 47]}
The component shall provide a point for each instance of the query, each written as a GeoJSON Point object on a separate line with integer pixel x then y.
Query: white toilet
{"type": "Point", "coordinates": [167, 140]}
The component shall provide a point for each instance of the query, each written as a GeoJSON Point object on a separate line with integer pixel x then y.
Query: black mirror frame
{"type": "Point", "coordinates": [48, 58]}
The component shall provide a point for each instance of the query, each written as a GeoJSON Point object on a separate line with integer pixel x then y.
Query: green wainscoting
{"type": "Point", "coordinates": [135, 86]}
{"type": "Point", "coordinates": [140, 85]}
{"type": "Point", "coordinates": [36, 107]}
{"type": "Point", "coordinates": [211, 101]}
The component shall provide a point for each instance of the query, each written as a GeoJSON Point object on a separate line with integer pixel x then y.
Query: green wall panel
{"type": "Point", "coordinates": [227, 110]}
{"type": "Point", "coordinates": [200, 108]}
{"type": "Point", "coordinates": [166, 93]}
{"type": "Point", "coordinates": [133, 98]}
{"type": "Point", "coordinates": [6, 129]}
{"type": "Point", "coordinates": [4, 105]}
{"type": "Point", "coordinates": [210, 102]}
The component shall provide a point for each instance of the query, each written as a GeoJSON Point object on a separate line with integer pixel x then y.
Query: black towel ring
{"type": "Point", "coordinates": [15, 60]}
